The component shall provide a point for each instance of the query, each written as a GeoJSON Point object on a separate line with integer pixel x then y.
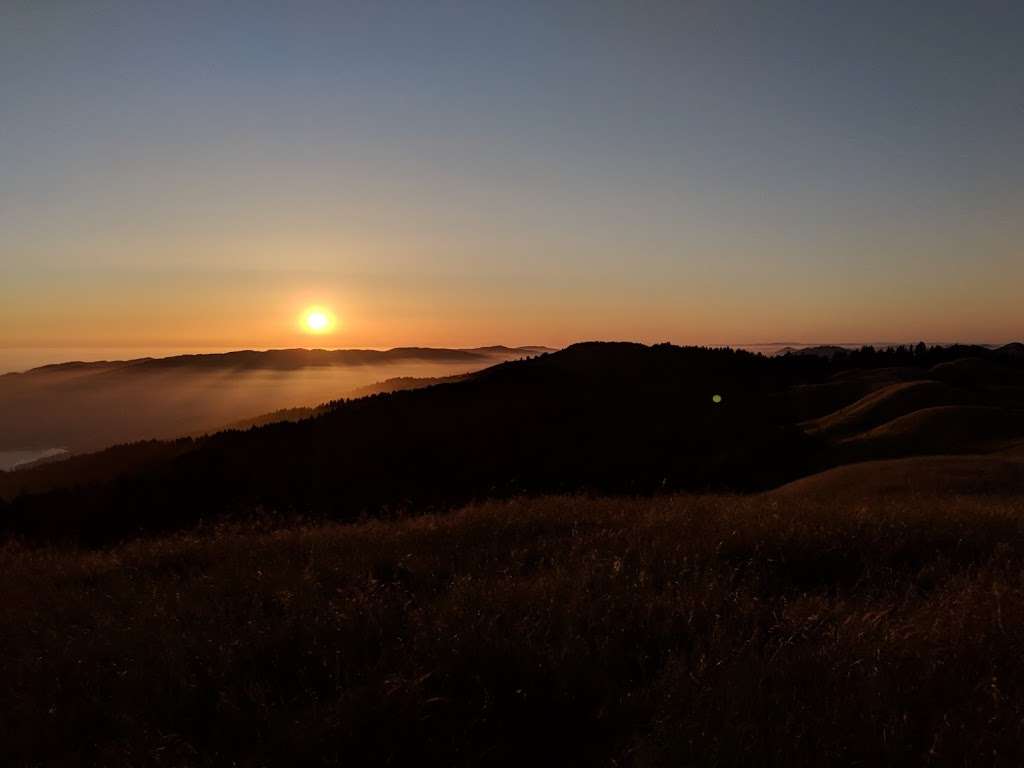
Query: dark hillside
{"type": "Point", "coordinates": [619, 418]}
{"type": "Point", "coordinates": [602, 417]}
{"type": "Point", "coordinates": [400, 383]}
{"type": "Point", "coordinates": [91, 468]}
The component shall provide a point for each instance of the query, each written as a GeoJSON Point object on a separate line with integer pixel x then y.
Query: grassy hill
{"type": "Point", "coordinates": [439, 575]}
{"type": "Point", "coordinates": [676, 630]}
{"type": "Point", "coordinates": [882, 405]}
{"type": "Point", "coordinates": [918, 476]}
{"type": "Point", "coordinates": [942, 429]}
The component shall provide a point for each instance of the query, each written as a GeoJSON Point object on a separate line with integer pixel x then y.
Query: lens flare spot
{"type": "Point", "coordinates": [716, 398]}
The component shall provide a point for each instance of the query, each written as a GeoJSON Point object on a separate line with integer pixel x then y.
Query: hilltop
{"type": "Point", "coordinates": [601, 417]}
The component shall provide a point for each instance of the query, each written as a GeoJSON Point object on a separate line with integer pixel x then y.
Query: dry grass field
{"type": "Point", "coordinates": [677, 630]}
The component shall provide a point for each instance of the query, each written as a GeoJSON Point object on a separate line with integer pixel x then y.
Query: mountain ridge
{"type": "Point", "coordinates": [290, 358]}
{"type": "Point", "coordinates": [603, 417]}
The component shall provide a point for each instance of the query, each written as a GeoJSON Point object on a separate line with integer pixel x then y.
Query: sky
{"type": "Point", "coordinates": [194, 175]}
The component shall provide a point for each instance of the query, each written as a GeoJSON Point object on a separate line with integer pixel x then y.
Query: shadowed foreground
{"type": "Point", "coordinates": [680, 630]}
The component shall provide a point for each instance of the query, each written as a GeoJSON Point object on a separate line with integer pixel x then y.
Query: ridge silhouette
{"type": "Point", "coordinates": [601, 416]}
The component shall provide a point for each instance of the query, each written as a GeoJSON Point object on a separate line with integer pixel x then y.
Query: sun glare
{"type": "Point", "coordinates": [317, 320]}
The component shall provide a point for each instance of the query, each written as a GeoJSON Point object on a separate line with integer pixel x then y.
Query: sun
{"type": "Point", "coordinates": [317, 320]}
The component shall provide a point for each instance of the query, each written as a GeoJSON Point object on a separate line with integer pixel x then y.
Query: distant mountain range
{"type": "Point", "coordinates": [826, 350]}
{"type": "Point", "coordinates": [293, 359]}
{"type": "Point", "coordinates": [1013, 349]}
{"type": "Point", "coordinates": [82, 406]}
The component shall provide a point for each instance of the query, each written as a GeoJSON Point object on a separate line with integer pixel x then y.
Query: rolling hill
{"type": "Point", "coordinates": [882, 405]}
{"type": "Point", "coordinates": [603, 417]}
{"type": "Point", "coordinates": [872, 482]}
{"type": "Point", "coordinates": [941, 429]}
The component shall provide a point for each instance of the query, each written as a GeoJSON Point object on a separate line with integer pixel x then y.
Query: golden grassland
{"type": "Point", "coordinates": [677, 630]}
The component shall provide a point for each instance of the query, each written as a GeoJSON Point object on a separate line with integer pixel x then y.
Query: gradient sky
{"type": "Point", "coordinates": [183, 174]}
